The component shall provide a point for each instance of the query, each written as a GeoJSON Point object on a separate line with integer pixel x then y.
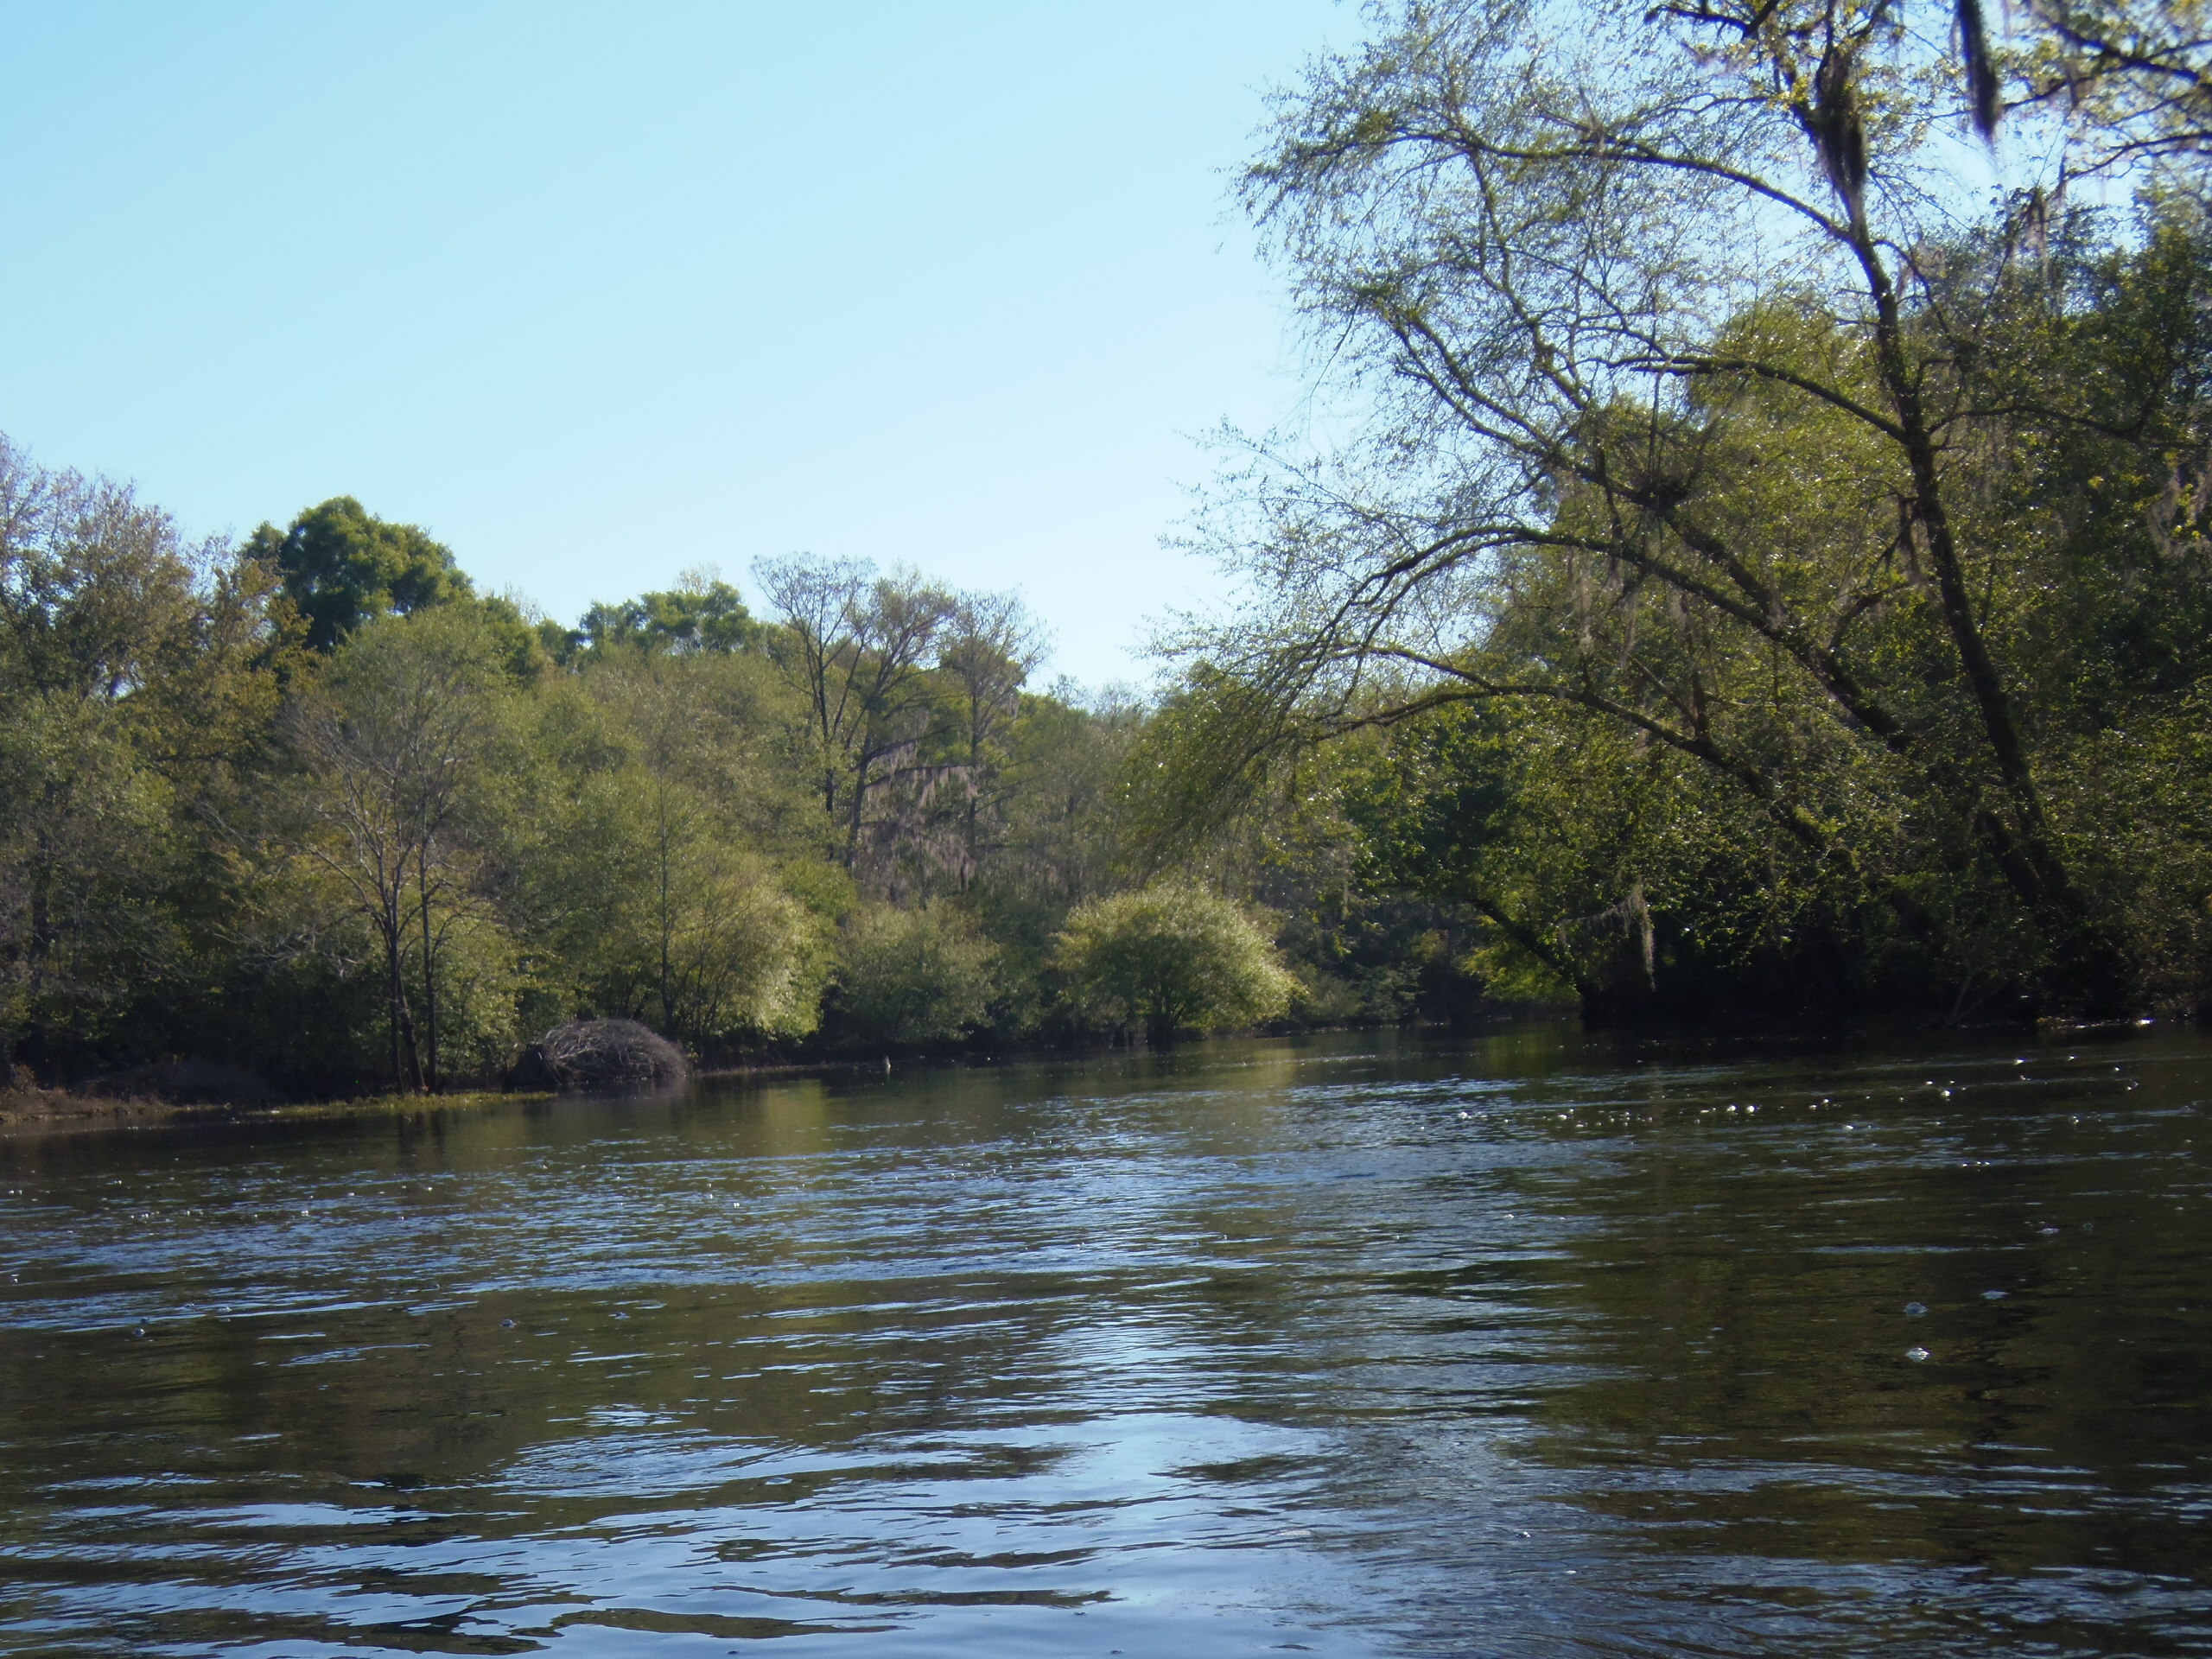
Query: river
{"type": "Point", "coordinates": [1529, 1343]}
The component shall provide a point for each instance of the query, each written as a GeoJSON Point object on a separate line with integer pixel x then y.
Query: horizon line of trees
{"type": "Point", "coordinates": [1753, 570]}
{"type": "Point", "coordinates": [314, 806]}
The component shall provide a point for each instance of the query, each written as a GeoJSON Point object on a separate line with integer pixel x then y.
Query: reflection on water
{"type": "Point", "coordinates": [1529, 1345]}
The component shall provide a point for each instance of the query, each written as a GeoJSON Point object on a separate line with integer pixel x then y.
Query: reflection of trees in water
{"type": "Point", "coordinates": [775, 1284]}
{"type": "Point", "coordinates": [1744, 1297]}
{"type": "Point", "coordinates": [873, 1288]}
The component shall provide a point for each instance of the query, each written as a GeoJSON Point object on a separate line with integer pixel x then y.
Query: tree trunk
{"type": "Point", "coordinates": [429, 969]}
{"type": "Point", "coordinates": [406, 1059]}
{"type": "Point", "coordinates": [667, 971]}
{"type": "Point", "coordinates": [2090, 967]}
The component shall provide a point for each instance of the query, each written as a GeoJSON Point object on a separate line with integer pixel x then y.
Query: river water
{"type": "Point", "coordinates": [1528, 1344]}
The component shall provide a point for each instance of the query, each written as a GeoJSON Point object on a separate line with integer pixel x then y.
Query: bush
{"type": "Point", "coordinates": [913, 977]}
{"type": "Point", "coordinates": [1173, 958]}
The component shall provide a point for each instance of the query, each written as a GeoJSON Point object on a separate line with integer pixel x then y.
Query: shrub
{"type": "Point", "coordinates": [913, 976]}
{"type": "Point", "coordinates": [1173, 958]}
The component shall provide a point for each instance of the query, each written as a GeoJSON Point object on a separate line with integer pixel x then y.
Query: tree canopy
{"type": "Point", "coordinates": [342, 566]}
{"type": "Point", "coordinates": [311, 805]}
{"type": "Point", "coordinates": [1704, 410]}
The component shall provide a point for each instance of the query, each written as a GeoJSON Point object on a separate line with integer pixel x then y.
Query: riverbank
{"type": "Point", "coordinates": [25, 1105]}
{"type": "Point", "coordinates": [35, 1111]}
{"type": "Point", "coordinates": [31, 1108]}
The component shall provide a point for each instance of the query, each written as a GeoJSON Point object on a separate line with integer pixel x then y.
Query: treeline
{"type": "Point", "coordinates": [312, 805]}
{"type": "Point", "coordinates": [1762, 573]}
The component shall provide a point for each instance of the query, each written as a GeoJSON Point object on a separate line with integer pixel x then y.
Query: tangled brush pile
{"type": "Point", "coordinates": [597, 1055]}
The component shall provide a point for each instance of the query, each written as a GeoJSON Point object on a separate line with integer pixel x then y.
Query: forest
{"type": "Point", "coordinates": [1754, 568]}
{"type": "Point", "coordinates": [312, 805]}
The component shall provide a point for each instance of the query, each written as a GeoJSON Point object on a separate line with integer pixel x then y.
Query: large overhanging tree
{"type": "Point", "coordinates": [1697, 381]}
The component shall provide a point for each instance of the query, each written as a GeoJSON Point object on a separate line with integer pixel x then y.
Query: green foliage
{"type": "Point", "coordinates": [1055, 841]}
{"type": "Point", "coordinates": [1592, 864]}
{"type": "Point", "coordinates": [710, 949]}
{"type": "Point", "coordinates": [395, 805]}
{"type": "Point", "coordinates": [1171, 958]}
{"type": "Point", "coordinates": [912, 978]}
{"type": "Point", "coordinates": [342, 566]}
{"type": "Point", "coordinates": [312, 805]}
{"type": "Point", "coordinates": [1739, 641]}
{"type": "Point", "coordinates": [651, 798]}
{"type": "Point", "coordinates": [88, 852]}
{"type": "Point", "coordinates": [703, 612]}
{"type": "Point", "coordinates": [137, 679]}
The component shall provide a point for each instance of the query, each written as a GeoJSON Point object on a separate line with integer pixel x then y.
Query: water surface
{"type": "Point", "coordinates": [1530, 1344]}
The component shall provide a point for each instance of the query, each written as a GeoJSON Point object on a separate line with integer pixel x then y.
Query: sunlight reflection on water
{"type": "Point", "coordinates": [1525, 1344]}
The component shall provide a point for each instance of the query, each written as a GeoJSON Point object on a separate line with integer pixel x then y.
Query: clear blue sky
{"type": "Point", "coordinates": [599, 292]}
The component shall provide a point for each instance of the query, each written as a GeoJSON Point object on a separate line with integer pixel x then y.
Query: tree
{"type": "Point", "coordinates": [860, 648]}
{"type": "Point", "coordinates": [690, 926]}
{"type": "Point", "coordinates": [138, 675]}
{"type": "Point", "coordinates": [1173, 958]}
{"type": "Point", "coordinates": [2133, 76]}
{"type": "Point", "coordinates": [393, 744]}
{"type": "Point", "coordinates": [1068, 756]}
{"type": "Point", "coordinates": [1683, 359]}
{"type": "Point", "coordinates": [711, 948]}
{"type": "Point", "coordinates": [314, 808]}
{"type": "Point", "coordinates": [342, 566]}
{"type": "Point", "coordinates": [701, 612]}
{"type": "Point", "coordinates": [991, 648]}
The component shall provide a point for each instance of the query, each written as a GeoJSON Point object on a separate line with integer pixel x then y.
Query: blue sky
{"type": "Point", "coordinates": [597, 294]}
